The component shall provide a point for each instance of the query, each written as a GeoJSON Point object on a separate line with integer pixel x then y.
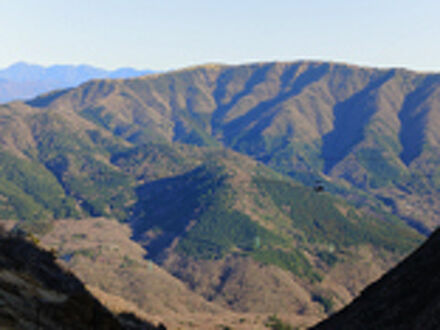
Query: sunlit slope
{"type": "Point", "coordinates": [376, 129]}
{"type": "Point", "coordinates": [214, 169]}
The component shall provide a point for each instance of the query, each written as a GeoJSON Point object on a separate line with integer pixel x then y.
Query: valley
{"type": "Point", "coordinates": [191, 196]}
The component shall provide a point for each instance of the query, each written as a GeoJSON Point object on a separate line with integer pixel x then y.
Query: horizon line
{"type": "Point", "coordinates": [226, 63]}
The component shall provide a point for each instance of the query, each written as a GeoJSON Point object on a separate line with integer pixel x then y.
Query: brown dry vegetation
{"type": "Point", "coordinates": [36, 293]}
{"type": "Point", "coordinates": [195, 160]}
{"type": "Point", "coordinates": [376, 129]}
{"type": "Point", "coordinates": [101, 253]}
{"type": "Point", "coordinates": [139, 287]}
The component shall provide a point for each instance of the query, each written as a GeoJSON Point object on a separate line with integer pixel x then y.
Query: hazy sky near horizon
{"type": "Point", "coordinates": [166, 34]}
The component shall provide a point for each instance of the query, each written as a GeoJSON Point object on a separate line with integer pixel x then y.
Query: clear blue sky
{"type": "Point", "coordinates": [165, 34]}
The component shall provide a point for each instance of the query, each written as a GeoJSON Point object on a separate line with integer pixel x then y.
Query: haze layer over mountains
{"type": "Point", "coordinates": [22, 81]}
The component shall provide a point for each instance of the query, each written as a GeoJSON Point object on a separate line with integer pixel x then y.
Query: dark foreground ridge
{"type": "Point", "coordinates": [407, 297]}
{"type": "Point", "coordinates": [35, 293]}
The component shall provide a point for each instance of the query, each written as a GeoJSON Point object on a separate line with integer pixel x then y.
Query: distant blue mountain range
{"type": "Point", "coordinates": [24, 81]}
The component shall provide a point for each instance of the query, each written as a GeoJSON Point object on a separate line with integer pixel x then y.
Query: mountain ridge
{"type": "Point", "coordinates": [193, 106]}
{"type": "Point", "coordinates": [24, 81]}
{"type": "Point", "coordinates": [293, 170]}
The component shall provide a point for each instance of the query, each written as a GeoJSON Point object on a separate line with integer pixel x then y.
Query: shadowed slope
{"type": "Point", "coordinates": [407, 297]}
{"type": "Point", "coordinates": [145, 151]}
{"type": "Point", "coordinates": [228, 76]}
{"type": "Point", "coordinates": [232, 216]}
{"type": "Point", "coordinates": [351, 117]}
{"type": "Point", "coordinates": [244, 130]}
{"type": "Point", "coordinates": [304, 119]}
{"type": "Point", "coordinates": [35, 293]}
{"type": "Point", "coordinates": [414, 117]}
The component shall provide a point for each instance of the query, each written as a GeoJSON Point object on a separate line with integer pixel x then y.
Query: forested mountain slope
{"type": "Point", "coordinates": [316, 176]}
{"type": "Point", "coordinates": [373, 129]}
